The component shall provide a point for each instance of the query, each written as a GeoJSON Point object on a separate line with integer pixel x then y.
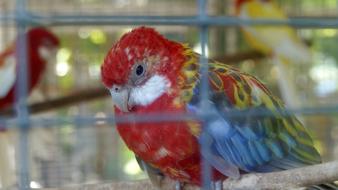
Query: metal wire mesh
{"type": "Point", "coordinates": [22, 16]}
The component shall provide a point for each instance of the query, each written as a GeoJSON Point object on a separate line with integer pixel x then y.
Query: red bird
{"type": "Point", "coordinates": [133, 61]}
{"type": "Point", "coordinates": [41, 44]}
{"type": "Point", "coordinates": [147, 73]}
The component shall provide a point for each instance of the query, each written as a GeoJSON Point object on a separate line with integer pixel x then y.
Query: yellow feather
{"type": "Point", "coordinates": [195, 128]}
{"type": "Point", "coordinates": [189, 75]}
{"type": "Point", "coordinates": [280, 40]}
{"type": "Point", "coordinates": [291, 130]}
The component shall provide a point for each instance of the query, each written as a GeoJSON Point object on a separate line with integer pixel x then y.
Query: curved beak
{"type": "Point", "coordinates": [121, 98]}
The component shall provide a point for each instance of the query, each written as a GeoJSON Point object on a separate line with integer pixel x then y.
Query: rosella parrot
{"type": "Point", "coordinates": [41, 44]}
{"type": "Point", "coordinates": [281, 42]}
{"type": "Point", "coordinates": [147, 73]}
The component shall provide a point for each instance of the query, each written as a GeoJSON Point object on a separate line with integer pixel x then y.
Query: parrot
{"type": "Point", "coordinates": [41, 46]}
{"type": "Point", "coordinates": [148, 73]}
{"type": "Point", "coordinates": [281, 42]}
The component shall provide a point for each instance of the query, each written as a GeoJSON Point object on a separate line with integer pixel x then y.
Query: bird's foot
{"type": "Point", "coordinates": [157, 179]}
{"type": "Point", "coordinates": [179, 185]}
{"type": "Point", "coordinates": [218, 185]}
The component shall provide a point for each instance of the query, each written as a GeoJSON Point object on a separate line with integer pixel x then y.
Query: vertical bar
{"type": "Point", "coordinates": [204, 104]}
{"type": "Point", "coordinates": [21, 91]}
{"type": "Point", "coordinates": [204, 98]}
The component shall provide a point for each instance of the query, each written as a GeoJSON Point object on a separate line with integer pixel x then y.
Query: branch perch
{"type": "Point", "coordinates": [56, 103]}
{"type": "Point", "coordinates": [235, 58]}
{"type": "Point", "coordinates": [288, 179]}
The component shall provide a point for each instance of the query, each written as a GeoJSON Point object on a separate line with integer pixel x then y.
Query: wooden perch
{"type": "Point", "coordinates": [71, 99]}
{"type": "Point", "coordinates": [288, 179]}
{"type": "Point", "coordinates": [238, 57]}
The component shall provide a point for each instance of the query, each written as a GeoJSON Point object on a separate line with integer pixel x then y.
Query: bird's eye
{"type": "Point", "coordinates": [138, 73]}
{"type": "Point", "coordinates": [139, 70]}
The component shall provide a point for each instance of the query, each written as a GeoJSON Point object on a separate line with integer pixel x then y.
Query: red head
{"type": "Point", "coordinates": [141, 45]}
{"type": "Point", "coordinates": [40, 46]}
{"type": "Point", "coordinates": [41, 37]}
{"type": "Point", "coordinates": [142, 61]}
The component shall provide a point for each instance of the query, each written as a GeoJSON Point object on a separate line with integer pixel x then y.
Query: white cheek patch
{"type": "Point", "coordinates": [7, 75]}
{"type": "Point", "coordinates": [45, 53]}
{"type": "Point", "coordinates": [146, 94]}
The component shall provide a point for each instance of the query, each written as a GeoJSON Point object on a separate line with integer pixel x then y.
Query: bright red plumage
{"type": "Point", "coordinates": [145, 41]}
{"type": "Point", "coordinates": [36, 38]}
{"type": "Point", "coordinates": [163, 76]}
{"type": "Point", "coordinates": [170, 146]}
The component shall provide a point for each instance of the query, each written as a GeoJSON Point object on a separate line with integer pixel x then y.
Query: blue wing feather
{"type": "Point", "coordinates": [253, 143]}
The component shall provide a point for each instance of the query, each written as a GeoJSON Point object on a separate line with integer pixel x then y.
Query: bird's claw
{"type": "Point", "coordinates": [218, 185]}
{"type": "Point", "coordinates": [178, 185]}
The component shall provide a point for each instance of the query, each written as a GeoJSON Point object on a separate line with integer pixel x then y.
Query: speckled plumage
{"type": "Point", "coordinates": [250, 143]}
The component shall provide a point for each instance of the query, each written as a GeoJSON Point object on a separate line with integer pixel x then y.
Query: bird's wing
{"type": "Point", "coordinates": [262, 138]}
{"type": "Point", "coordinates": [7, 74]}
{"type": "Point", "coordinates": [188, 81]}
{"type": "Point", "coordinates": [281, 40]}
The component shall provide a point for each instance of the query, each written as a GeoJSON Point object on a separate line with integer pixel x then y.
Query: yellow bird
{"type": "Point", "coordinates": [280, 41]}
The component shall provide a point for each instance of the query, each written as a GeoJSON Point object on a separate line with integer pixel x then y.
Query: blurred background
{"type": "Point", "coordinates": [66, 152]}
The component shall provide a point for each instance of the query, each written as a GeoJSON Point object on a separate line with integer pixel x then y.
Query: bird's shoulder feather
{"type": "Point", "coordinates": [263, 137]}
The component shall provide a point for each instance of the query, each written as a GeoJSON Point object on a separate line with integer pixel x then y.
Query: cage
{"type": "Point", "coordinates": [62, 133]}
